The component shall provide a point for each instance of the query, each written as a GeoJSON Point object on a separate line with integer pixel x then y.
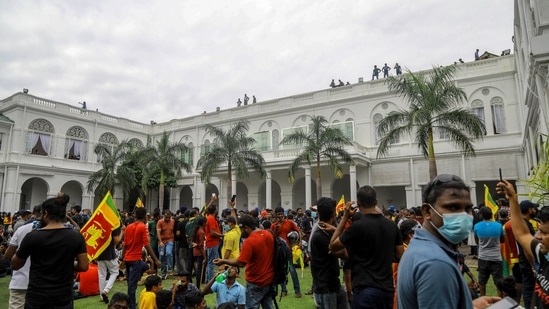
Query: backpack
{"type": "Point", "coordinates": [281, 261]}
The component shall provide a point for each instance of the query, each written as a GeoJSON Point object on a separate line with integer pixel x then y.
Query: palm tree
{"type": "Point", "coordinates": [434, 106]}
{"type": "Point", "coordinates": [322, 141]}
{"type": "Point", "coordinates": [113, 171]}
{"type": "Point", "coordinates": [234, 148]}
{"type": "Point", "coordinates": [164, 160]}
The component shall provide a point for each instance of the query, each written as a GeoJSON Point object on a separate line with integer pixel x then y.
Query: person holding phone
{"type": "Point", "coordinates": [533, 245]}
{"type": "Point", "coordinates": [428, 273]}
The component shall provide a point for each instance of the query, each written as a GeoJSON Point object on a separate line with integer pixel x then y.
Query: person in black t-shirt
{"type": "Point", "coordinates": [107, 263]}
{"type": "Point", "coordinates": [324, 264]}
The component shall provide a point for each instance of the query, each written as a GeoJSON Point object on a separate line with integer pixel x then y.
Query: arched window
{"type": "Point", "coordinates": [276, 139]}
{"type": "Point", "coordinates": [137, 143]}
{"type": "Point", "coordinates": [205, 148]}
{"type": "Point", "coordinates": [76, 144]}
{"type": "Point", "coordinates": [108, 139]}
{"type": "Point", "coordinates": [477, 108]}
{"type": "Point", "coordinates": [377, 120]}
{"type": "Point", "coordinates": [188, 156]}
{"type": "Point", "coordinates": [39, 137]}
{"type": "Point", "coordinates": [498, 115]}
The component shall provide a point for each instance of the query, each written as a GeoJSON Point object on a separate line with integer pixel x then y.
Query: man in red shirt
{"type": "Point", "coordinates": [281, 227]}
{"type": "Point", "coordinates": [137, 237]}
{"type": "Point", "coordinates": [257, 256]}
{"type": "Point", "coordinates": [213, 235]}
{"type": "Point", "coordinates": [165, 234]}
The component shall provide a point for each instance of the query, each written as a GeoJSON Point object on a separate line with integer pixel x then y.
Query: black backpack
{"type": "Point", "coordinates": [282, 259]}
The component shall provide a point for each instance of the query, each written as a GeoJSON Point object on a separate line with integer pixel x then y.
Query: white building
{"type": "Point", "coordinates": [47, 146]}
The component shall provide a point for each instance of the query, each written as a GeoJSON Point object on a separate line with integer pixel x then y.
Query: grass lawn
{"type": "Point", "coordinates": [288, 302]}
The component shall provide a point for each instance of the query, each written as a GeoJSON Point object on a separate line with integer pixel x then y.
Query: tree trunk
{"type": "Point", "coordinates": [161, 197]}
{"type": "Point", "coordinates": [318, 182]}
{"type": "Point", "coordinates": [432, 160]}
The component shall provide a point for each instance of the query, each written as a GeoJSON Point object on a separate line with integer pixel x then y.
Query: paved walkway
{"type": "Point", "coordinates": [469, 260]}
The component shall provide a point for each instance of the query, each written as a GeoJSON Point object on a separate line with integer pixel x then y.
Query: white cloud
{"type": "Point", "coordinates": [171, 59]}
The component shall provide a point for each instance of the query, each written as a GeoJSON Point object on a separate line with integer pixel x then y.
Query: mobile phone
{"type": "Point", "coordinates": [504, 303]}
{"type": "Point", "coordinates": [233, 197]}
{"type": "Point", "coordinates": [500, 177]}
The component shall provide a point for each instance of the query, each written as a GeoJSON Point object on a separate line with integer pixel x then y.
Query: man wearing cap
{"type": "Point", "coordinates": [23, 217]}
{"type": "Point", "coordinates": [257, 255]}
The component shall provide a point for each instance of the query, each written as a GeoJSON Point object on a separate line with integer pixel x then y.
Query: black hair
{"type": "Point", "coordinates": [543, 214]}
{"type": "Point", "coordinates": [326, 208]}
{"type": "Point", "coordinates": [407, 227]}
{"type": "Point", "coordinates": [211, 209]}
{"type": "Point", "coordinates": [434, 189]}
{"type": "Point", "coordinates": [140, 213]}
{"type": "Point", "coordinates": [77, 208]}
{"type": "Point", "coordinates": [119, 297]}
{"type": "Point", "coordinates": [247, 221]}
{"type": "Point", "coordinates": [508, 286]}
{"type": "Point", "coordinates": [56, 207]}
{"type": "Point", "coordinates": [279, 209]}
{"type": "Point", "coordinates": [151, 281]}
{"type": "Point", "coordinates": [486, 213]}
{"type": "Point", "coordinates": [367, 196]}
{"type": "Point", "coordinates": [226, 306]}
{"type": "Point", "coordinates": [163, 299]}
{"type": "Point", "coordinates": [193, 298]}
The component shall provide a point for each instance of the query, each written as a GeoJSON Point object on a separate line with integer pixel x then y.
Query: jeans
{"type": "Point", "coordinates": [295, 280]}
{"type": "Point", "coordinates": [373, 298]}
{"type": "Point", "coordinates": [134, 270]}
{"type": "Point", "coordinates": [257, 295]}
{"type": "Point", "coordinates": [181, 258]}
{"type": "Point", "coordinates": [199, 261]}
{"type": "Point", "coordinates": [528, 282]}
{"type": "Point", "coordinates": [67, 306]}
{"type": "Point", "coordinates": [166, 257]}
{"type": "Point", "coordinates": [336, 300]}
{"type": "Point", "coordinates": [212, 253]}
{"type": "Point", "coordinates": [107, 267]}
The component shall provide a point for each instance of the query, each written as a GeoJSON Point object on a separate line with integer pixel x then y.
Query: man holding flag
{"type": "Point", "coordinates": [102, 232]}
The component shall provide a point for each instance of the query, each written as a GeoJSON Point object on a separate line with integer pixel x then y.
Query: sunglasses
{"type": "Point", "coordinates": [440, 179]}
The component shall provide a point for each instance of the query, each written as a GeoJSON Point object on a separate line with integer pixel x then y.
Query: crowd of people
{"type": "Point", "coordinates": [390, 258]}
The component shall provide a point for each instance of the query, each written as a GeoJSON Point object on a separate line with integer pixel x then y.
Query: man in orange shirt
{"type": "Point", "coordinates": [257, 256]}
{"type": "Point", "coordinates": [137, 237]}
{"type": "Point", "coordinates": [281, 227]}
{"type": "Point", "coordinates": [165, 234]}
{"type": "Point", "coordinates": [213, 235]}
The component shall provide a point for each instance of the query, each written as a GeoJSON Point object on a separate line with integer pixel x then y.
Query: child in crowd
{"type": "Point", "coordinates": [147, 298]}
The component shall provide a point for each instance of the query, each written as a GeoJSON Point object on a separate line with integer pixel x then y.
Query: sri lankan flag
{"type": "Point", "coordinates": [340, 205]}
{"type": "Point", "coordinates": [489, 201]}
{"type": "Point", "coordinates": [139, 203]}
{"type": "Point", "coordinates": [98, 229]}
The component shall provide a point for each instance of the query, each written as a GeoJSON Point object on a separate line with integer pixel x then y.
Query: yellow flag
{"type": "Point", "coordinates": [341, 204]}
{"type": "Point", "coordinates": [139, 203]}
{"type": "Point", "coordinates": [489, 201]}
{"type": "Point", "coordinates": [97, 231]}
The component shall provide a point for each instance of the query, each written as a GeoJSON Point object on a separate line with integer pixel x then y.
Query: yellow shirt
{"type": "Point", "coordinates": [231, 241]}
{"type": "Point", "coordinates": [147, 300]}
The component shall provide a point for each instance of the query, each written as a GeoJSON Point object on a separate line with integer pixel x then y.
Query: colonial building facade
{"type": "Point", "coordinates": [47, 146]}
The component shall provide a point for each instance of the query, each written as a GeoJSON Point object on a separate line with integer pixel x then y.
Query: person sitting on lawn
{"type": "Point", "coordinates": [147, 298]}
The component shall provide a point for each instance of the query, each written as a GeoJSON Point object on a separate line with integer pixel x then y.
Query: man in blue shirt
{"type": "Point", "coordinates": [428, 273]}
{"type": "Point", "coordinates": [227, 291]}
{"type": "Point", "coordinates": [488, 236]}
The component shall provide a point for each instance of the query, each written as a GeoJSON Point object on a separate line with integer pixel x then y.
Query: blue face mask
{"type": "Point", "coordinates": [313, 214]}
{"type": "Point", "coordinates": [455, 226]}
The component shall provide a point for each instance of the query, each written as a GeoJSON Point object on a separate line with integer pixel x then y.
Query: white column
{"type": "Point", "coordinates": [268, 190]}
{"type": "Point", "coordinates": [352, 182]}
{"type": "Point", "coordinates": [308, 202]}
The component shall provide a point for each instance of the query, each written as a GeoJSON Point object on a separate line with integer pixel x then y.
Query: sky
{"type": "Point", "coordinates": [169, 59]}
